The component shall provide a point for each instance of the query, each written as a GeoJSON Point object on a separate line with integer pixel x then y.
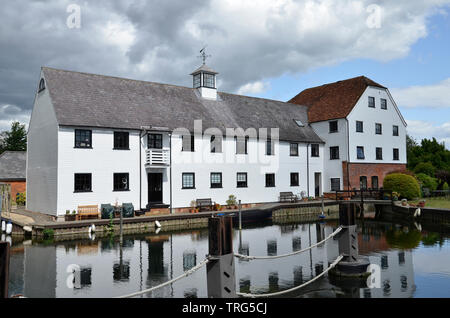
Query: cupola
{"type": "Point", "coordinates": [204, 80]}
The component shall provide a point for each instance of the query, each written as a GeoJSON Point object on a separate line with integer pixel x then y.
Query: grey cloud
{"type": "Point", "coordinates": [247, 44]}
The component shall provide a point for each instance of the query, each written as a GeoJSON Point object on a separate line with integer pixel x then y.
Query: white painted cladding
{"type": "Point", "coordinates": [42, 159]}
{"type": "Point", "coordinates": [332, 168]}
{"type": "Point", "coordinates": [102, 161]}
{"type": "Point", "coordinates": [368, 139]}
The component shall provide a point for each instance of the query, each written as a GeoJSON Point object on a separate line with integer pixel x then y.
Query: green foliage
{"type": "Point", "coordinates": [427, 181]}
{"type": "Point", "coordinates": [404, 240]}
{"type": "Point", "coordinates": [425, 168]}
{"type": "Point", "coordinates": [15, 139]}
{"type": "Point", "coordinates": [48, 233]}
{"type": "Point", "coordinates": [427, 151]}
{"type": "Point", "coordinates": [21, 199]}
{"type": "Point", "coordinates": [407, 186]}
{"type": "Point", "coordinates": [443, 178]}
{"type": "Point", "coordinates": [445, 186]}
{"type": "Point", "coordinates": [231, 200]}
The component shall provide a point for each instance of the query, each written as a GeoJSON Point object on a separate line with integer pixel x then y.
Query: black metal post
{"type": "Point", "coordinates": [220, 269]}
{"type": "Point", "coordinates": [4, 269]}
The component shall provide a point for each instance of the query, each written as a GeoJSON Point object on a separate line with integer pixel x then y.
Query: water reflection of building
{"type": "Point", "coordinates": [272, 247]}
{"type": "Point", "coordinates": [40, 271]}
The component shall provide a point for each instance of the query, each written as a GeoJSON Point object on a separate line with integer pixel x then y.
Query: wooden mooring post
{"type": "Point", "coordinates": [4, 269]}
{"type": "Point", "coordinates": [220, 269]}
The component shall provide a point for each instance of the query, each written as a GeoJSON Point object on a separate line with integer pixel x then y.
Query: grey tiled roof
{"type": "Point", "coordinates": [91, 100]}
{"type": "Point", "coordinates": [13, 165]}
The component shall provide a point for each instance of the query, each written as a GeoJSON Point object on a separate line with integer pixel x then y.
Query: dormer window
{"type": "Point", "coordinates": [41, 85]}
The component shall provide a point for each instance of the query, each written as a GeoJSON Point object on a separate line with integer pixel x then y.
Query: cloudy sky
{"type": "Point", "coordinates": [265, 48]}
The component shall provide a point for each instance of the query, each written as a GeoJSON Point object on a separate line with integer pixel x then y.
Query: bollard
{"type": "Point", "coordinates": [240, 215]}
{"type": "Point", "coordinates": [4, 269]}
{"type": "Point", "coordinates": [352, 265]}
{"type": "Point", "coordinates": [220, 269]}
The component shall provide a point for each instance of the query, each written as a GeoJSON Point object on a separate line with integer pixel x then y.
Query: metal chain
{"type": "Point", "coordinates": [294, 288]}
{"type": "Point", "coordinates": [290, 254]}
{"type": "Point", "coordinates": [185, 274]}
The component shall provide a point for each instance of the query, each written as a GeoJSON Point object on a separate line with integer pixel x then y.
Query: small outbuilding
{"type": "Point", "coordinates": [13, 166]}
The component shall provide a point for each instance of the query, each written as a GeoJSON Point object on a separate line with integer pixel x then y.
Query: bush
{"type": "Point", "coordinates": [407, 186]}
{"type": "Point", "coordinates": [445, 187]}
{"type": "Point", "coordinates": [21, 199]}
{"type": "Point", "coordinates": [427, 181]}
{"type": "Point", "coordinates": [426, 168]}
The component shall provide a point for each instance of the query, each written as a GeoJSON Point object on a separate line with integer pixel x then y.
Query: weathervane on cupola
{"type": "Point", "coordinates": [204, 78]}
{"type": "Point", "coordinates": [203, 55]}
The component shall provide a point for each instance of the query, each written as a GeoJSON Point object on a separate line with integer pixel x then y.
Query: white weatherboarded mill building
{"type": "Point", "coordinates": [96, 139]}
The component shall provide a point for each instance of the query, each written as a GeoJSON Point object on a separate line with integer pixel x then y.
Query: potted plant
{"type": "Point", "coordinates": [69, 216]}
{"type": "Point", "coordinates": [193, 204]}
{"type": "Point", "coordinates": [404, 202]}
{"type": "Point", "coordinates": [231, 202]}
{"type": "Point", "coordinates": [395, 196]}
{"type": "Point", "coordinates": [421, 203]}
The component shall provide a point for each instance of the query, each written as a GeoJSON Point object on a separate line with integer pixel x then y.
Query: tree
{"type": "Point", "coordinates": [426, 168]}
{"type": "Point", "coordinates": [15, 139]}
{"type": "Point", "coordinates": [443, 177]}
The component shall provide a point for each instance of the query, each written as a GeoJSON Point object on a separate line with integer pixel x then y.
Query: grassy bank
{"type": "Point", "coordinates": [440, 203]}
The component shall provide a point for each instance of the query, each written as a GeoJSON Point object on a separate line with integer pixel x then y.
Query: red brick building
{"type": "Point", "coordinates": [13, 171]}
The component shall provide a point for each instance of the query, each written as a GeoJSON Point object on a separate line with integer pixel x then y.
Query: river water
{"type": "Point", "coordinates": [413, 262]}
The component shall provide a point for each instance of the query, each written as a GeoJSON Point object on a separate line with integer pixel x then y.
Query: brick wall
{"type": "Point", "coordinates": [16, 187]}
{"type": "Point", "coordinates": [369, 170]}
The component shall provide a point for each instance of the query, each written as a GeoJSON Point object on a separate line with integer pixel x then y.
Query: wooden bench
{"type": "Point", "coordinates": [288, 197]}
{"type": "Point", "coordinates": [202, 204]}
{"type": "Point", "coordinates": [87, 212]}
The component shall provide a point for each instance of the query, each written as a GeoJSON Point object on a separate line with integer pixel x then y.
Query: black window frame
{"type": "Point", "coordinates": [206, 82]}
{"type": "Point", "coordinates": [332, 185]}
{"type": "Point", "coordinates": [41, 85]}
{"type": "Point", "coordinates": [395, 130]}
{"type": "Point", "coordinates": [380, 132]}
{"type": "Point", "coordinates": [395, 154]}
{"type": "Point", "coordinates": [79, 134]}
{"type": "Point", "coordinates": [215, 185]}
{"type": "Point", "coordinates": [121, 143]}
{"type": "Point", "coordinates": [194, 80]}
{"type": "Point", "coordinates": [331, 153]}
{"type": "Point", "coordinates": [378, 153]}
{"type": "Point", "coordinates": [270, 182]}
{"type": "Point", "coordinates": [295, 154]}
{"type": "Point", "coordinates": [385, 103]}
{"type": "Point", "coordinates": [372, 182]}
{"type": "Point", "coordinates": [371, 98]}
{"type": "Point", "coordinates": [182, 180]}
{"type": "Point", "coordinates": [361, 178]}
{"type": "Point", "coordinates": [241, 184]}
{"type": "Point", "coordinates": [214, 143]}
{"type": "Point", "coordinates": [315, 150]}
{"type": "Point", "coordinates": [192, 143]}
{"type": "Point", "coordinates": [238, 139]}
{"type": "Point", "coordinates": [154, 141]}
{"type": "Point", "coordinates": [270, 147]}
{"type": "Point", "coordinates": [117, 181]}
{"type": "Point", "coordinates": [295, 182]}
{"type": "Point", "coordinates": [361, 126]}
{"type": "Point", "coordinates": [81, 188]}
{"type": "Point", "coordinates": [331, 128]}
{"type": "Point", "coordinates": [357, 152]}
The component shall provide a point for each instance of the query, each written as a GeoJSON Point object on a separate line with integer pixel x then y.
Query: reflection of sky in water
{"type": "Point", "coordinates": [146, 261]}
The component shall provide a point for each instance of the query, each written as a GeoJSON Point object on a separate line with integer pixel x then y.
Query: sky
{"type": "Point", "coordinates": [264, 48]}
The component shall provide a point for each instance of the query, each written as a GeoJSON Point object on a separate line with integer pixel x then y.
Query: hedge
{"type": "Point", "coordinates": [427, 181]}
{"type": "Point", "coordinates": [407, 186]}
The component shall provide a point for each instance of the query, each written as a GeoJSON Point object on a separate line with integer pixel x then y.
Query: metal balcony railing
{"type": "Point", "coordinates": [157, 157]}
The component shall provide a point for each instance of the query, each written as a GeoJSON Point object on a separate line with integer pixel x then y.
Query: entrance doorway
{"type": "Point", "coordinates": [317, 184]}
{"type": "Point", "coordinates": [155, 193]}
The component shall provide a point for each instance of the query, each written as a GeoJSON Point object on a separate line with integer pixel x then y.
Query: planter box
{"type": "Point", "coordinates": [70, 217]}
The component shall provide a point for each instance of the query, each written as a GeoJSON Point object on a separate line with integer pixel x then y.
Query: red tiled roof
{"type": "Point", "coordinates": [335, 100]}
